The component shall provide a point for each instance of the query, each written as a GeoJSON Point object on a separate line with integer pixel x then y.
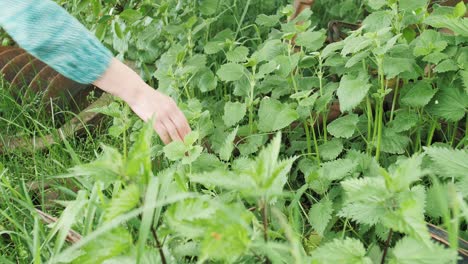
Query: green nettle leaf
{"type": "Point", "coordinates": [435, 57]}
{"type": "Point", "coordinates": [331, 48]}
{"type": "Point", "coordinates": [175, 150]}
{"type": "Point", "coordinates": [464, 77]}
{"type": "Point", "coordinates": [376, 4]}
{"type": "Point", "coordinates": [309, 101]}
{"type": "Point", "coordinates": [130, 15]}
{"type": "Point", "coordinates": [392, 67]}
{"type": "Point", "coordinates": [408, 214]}
{"type": "Point", "coordinates": [337, 169]}
{"type": "Point", "coordinates": [436, 201]}
{"type": "Point", "coordinates": [116, 242]}
{"type": "Point", "coordinates": [124, 201]}
{"type": "Point", "coordinates": [377, 20]}
{"type": "Point", "coordinates": [231, 72]}
{"type": "Point", "coordinates": [418, 95]}
{"type": "Point", "coordinates": [406, 173]}
{"type": "Point", "coordinates": [404, 121]}
{"type": "Point", "coordinates": [428, 42]}
{"type": "Point", "coordinates": [267, 21]}
{"type": "Point", "coordinates": [460, 9]}
{"type": "Point", "coordinates": [365, 200]}
{"type": "Point", "coordinates": [225, 242]}
{"type": "Point", "coordinates": [107, 168]}
{"type": "Point", "coordinates": [184, 151]}
{"type": "Point", "coordinates": [228, 146]}
{"type": "Point", "coordinates": [355, 44]}
{"type": "Point", "coordinates": [446, 66]}
{"type": "Point", "coordinates": [270, 49]}
{"type": "Point", "coordinates": [449, 162]}
{"type": "Point", "coordinates": [410, 251]}
{"type": "Point", "coordinates": [193, 65]}
{"type": "Point", "coordinates": [343, 127]}
{"type": "Point", "coordinates": [274, 115]}
{"type": "Point", "coordinates": [138, 165]}
{"type": "Point", "coordinates": [331, 149]}
{"type": "Point", "coordinates": [263, 177]}
{"type": "Point", "coordinates": [186, 217]}
{"type": "Point", "coordinates": [192, 154]}
{"type": "Point", "coordinates": [450, 103]}
{"type": "Point", "coordinates": [251, 145]}
{"type": "Point", "coordinates": [207, 81]}
{"type": "Point", "coordinates": [320, 214]}
{"type": "Point", "coordinates": [351, 91]}
{"type": "Point", "coordinates": [458, 25]}
{"type": "Point", "coordinates": [208, 7]}
{"type": "Point", "coordinates": [213, 47]}
{"type": "Point", "coordinates": [233, 113]}
{"type": "Point", "coordinates": [266, 69]}
{"type": "Point", "coordinates": [238, 54]}
{"type": "Point", "coordinates": [346, 251]}
{"type": "Point", "coordinates": [393, 143]}
{"type": "Point", "coordinates": [357, 58]}
{"type": "Point", "coordinates": [269, 173]}
{"type": "Point", "coordinates": [286, 64]}
{"type": "Point", "coordinates": [227, 180]}
{"type": "Point", "coordinates": [311, 40]}
{"type": "Point", "coordinates": [412, 5]}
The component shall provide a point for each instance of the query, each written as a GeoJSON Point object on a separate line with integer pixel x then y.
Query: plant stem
{"type": "Point", "coordinates": [454, 133]}
{"type": "Point", "coordinates": [431, 133]}
{"type": "Point", "coordinates": [312, 122]}
{"type": "Point", "coordinates": [395, 95]}
{"type": "Point", "coordinates": [380, 109]}
{"type": "Point", "coordinates": [324, 115]}
{"type": "Point", "coordinates": [158, 244]}
{"type": "Point", "coordinates": [241, 21]}
{"type": "Point", "coordinates": [265, 220]}
{"type": "Point", "coordinates": [465, 139]}
{"type": "Point", "coordinates": [307, 132]}
{"type": "Point", "coordinates": [387, 245]}
{"type": "Point", "coordinates": [251, 99]}
{"type": "Point", "coordinates": [265, 226]}
{"type": "Point", "coordinates": [369, 125]}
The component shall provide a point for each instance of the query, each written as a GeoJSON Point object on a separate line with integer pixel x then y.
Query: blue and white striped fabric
{"type": "Point", "coordinates": [48, 32]}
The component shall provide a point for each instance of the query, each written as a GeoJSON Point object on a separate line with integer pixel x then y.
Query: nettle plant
{"type": "Point", "coordinates": [266, 176]}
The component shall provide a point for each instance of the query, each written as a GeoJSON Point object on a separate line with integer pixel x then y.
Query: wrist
{"type": "Point", "coordinates": [123, 82]}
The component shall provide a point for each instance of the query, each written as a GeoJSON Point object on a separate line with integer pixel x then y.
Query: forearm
{"type": "Point", "coordinates": [48, 32]}
{"type": "Point", "coordinates": [122, 82]}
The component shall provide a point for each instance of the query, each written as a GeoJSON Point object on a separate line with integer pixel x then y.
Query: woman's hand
{"type": "Point", "coordinates": [146, 102]}
{"type": "Point", "coordinates": [170, 122]}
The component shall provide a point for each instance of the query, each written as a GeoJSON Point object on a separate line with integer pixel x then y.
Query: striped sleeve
{"type": "Point", "coordinates": [48, 32]}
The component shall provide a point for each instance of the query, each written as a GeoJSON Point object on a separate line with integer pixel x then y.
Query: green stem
{"type": "Point", "coordinates": [312, 122]}
{"type": "Point", "coordinates": [380, 107]}
{"type": "Point", "coordinates": [307, 132]}
{"type": "Point", "coordinates": [454, 133]}
{"type": "Point", "coordinates": [417, 148]}
{"type": "Point", "coordinates": [251, 106]}
{"type": "Point", "coordinates": [246, 8]}
{"type": "Point", "coordinates": [431, 133]}
{"type": "Point", "coordinates": [395, 94]}
{"type": "Point", "coordinates": [379, 135]}
{"type": "Point", "coordinates": [369, 125]}
{"type": "Point", "coordinates": [465, 139]}
{"type": "Point", "coordinates": [324, 115]}
{"type": "Point", "coordinates": [324, 124]}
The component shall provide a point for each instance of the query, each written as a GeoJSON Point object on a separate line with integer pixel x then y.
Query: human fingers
{"type": "Point", "coordinates": [181, 123]}
{"type": "Point", "coordinates": [162, 132]}
{"type": "Point", "coordinates": [171, 129]}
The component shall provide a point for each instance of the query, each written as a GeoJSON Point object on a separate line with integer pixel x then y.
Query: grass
{"type": "Point", "coordinates": [25, 177]}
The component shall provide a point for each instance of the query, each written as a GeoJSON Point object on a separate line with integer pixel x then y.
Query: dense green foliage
{"type": "Point", "coordinates": [264, 177]}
